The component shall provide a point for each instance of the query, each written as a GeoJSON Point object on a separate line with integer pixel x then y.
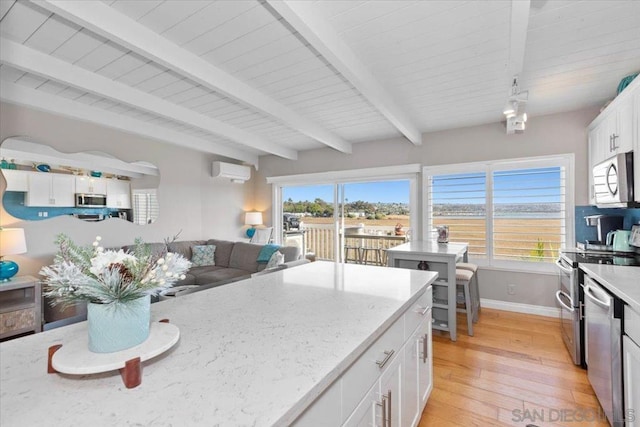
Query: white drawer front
{"type": "Point", "coordinates": [632, 324]}
{"type": "Point", "coordinates": [416, 313]}
{"type": "Point", "coordinates": [367, 369]}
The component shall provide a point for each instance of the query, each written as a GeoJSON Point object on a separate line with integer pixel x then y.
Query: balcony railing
{"type": "Point", "coordinates": [319, 239]}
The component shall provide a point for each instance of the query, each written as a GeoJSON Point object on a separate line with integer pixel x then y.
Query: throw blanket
{"type": "Point", "coordinates": [265, 253]}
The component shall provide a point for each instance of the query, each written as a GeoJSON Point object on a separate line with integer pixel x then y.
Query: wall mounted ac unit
{"type": "Point", "coordinates": [236, 173]}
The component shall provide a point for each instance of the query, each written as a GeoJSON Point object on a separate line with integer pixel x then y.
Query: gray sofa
{"type": "Point", "coordinates": [233, 261]}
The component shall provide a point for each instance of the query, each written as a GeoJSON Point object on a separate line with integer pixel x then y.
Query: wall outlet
{"type": "Point", "coordinates": [45, 214]}
{"type": "Point", "coordinates": [40, 214]}
{"type": "Point", "coordinates": [511, 289]}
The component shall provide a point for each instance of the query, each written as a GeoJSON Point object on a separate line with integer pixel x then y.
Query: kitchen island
{"type": "Point", "coordinates": [256, 352]}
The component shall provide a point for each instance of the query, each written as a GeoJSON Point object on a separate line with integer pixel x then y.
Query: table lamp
{"type": "Point", "coordinates": [12, 242]}
{"type": "Point", "coordinates": [252, 219]}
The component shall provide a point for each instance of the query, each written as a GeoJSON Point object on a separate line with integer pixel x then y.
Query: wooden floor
{"type": "Point", "coordinates": [515, 371]}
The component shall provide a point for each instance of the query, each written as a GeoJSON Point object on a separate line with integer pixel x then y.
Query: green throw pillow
{"type": "Point", "coordinates": [202, 255]}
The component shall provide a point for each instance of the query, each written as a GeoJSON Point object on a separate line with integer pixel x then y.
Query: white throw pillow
{"type": "Point", "coordinates": [276, 259]}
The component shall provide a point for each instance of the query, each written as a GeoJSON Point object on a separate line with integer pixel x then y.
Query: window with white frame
{"type": "Point", "coordinates": [510, 212]}
{"type": "Point", "coordinates": [145, 205]}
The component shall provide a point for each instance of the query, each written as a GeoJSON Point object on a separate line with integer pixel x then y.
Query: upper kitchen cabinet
{"type": "Point", "coordinates": [49, 189]}
{"type": "Point", "coordinates": [615, 131]}
{"type": "Point", "coordinates": [90, 185]}
{"type": "Point", "coordinates": [118, 194]}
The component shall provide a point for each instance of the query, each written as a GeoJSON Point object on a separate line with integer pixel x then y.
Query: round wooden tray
{"type": "Point", "coordinates": [76, 359]}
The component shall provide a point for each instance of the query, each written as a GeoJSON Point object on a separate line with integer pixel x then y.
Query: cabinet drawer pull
{"type": "Point", "coordinates": [423, 310]}
{"type": "Point", "coordinates": [388, 355]}
{"type": "Point", "coordinates": [386, 409]}
{"type": "Point", "coordinates": [425, 348]}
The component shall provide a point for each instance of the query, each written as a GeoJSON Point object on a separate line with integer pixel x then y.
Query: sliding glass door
{"type": "Point", "coordinates": [354, 221]}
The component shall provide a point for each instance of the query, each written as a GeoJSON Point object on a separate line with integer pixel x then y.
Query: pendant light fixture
{"type": "Point", "coordinates": [514, 108]}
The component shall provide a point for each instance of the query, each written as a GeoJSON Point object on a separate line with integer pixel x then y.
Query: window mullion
{"type": "Point", "coordinates": [489, 213]}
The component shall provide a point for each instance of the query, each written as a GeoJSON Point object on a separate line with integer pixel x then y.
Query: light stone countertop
{"type": "Point", "coordinates": [256, 352]}
{"type": "Point", "coordinates": [431, 247]}
{"type": "Point", "coordinates": [621, 280]}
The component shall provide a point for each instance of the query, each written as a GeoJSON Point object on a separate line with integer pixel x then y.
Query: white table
{"type": "Point", "coordinates": [254, 352]}
{"type": "Point", "coordinates": [441, 257]}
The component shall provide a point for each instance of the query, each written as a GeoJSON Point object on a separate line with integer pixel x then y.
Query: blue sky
{"type": "Point", "coordinates": [385, 192]}
{"type": "Point", "coordinates": [542, 185]}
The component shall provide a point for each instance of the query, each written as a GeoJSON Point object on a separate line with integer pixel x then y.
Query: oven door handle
{"type": "Point", "coordinates": [589, 292]}
{"type": "Point", "coordinates": [562, 267]}
{"type": "Point", "coordinates": [559, 296]}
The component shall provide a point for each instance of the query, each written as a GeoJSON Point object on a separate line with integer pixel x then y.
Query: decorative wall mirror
{"type": "Point", "coordinates": [92, 186]}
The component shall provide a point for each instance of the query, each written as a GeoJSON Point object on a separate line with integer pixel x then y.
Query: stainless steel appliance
{"type": "Point", "coordinates": [568, 296]}
{"type": "Point", "coordinates": [604, 224]}
{"type": "Point", "coordinates": [84, 200]}
{"type": "Point", "coordinates": [613, 182]}
{"type": "Point", "coordinates": [603, 333]}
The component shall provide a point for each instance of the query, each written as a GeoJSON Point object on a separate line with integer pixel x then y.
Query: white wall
{"type": "Point", "coordinates": [545, 135]}
{"type": "Point", "coordinates": [190, 199]}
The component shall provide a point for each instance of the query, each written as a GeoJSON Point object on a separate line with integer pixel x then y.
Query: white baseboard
{"type": "Point", "coordinates": [520, 308]}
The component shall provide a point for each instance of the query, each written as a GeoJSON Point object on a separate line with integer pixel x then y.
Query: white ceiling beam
{"type": "Point", "coordinates": [518, 36]}
{"type": "Point", "coordinates": [49, 67]}
{"type": "Point", "coordinates": [323, 38]}
{"type": "Point", "coordinates": [98, 17]}
{"type": "Point", "coordinates": [5, 5]}
{"type": "Point", "coordinates": [39, 100]}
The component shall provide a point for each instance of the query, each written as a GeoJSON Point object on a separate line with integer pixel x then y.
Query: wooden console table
{"type": "Point", "coordinates": [441, 257]}
{"type": "Point", "coordinates": [20, 306]}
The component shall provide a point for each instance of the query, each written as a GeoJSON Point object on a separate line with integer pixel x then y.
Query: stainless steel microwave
{"type": "Point", "coordinates": [613, 182]}
{"type": "Point", "coordinates": [84, 200]}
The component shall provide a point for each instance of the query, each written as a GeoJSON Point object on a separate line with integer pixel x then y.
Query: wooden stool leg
{"type": "Point", "coordinates": [469, 308]}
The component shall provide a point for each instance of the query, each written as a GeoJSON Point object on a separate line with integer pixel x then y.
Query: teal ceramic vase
{"type": "Point", "coordinates": [116, 327]}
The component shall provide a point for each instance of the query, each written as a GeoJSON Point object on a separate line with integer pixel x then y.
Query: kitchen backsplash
{"type": "Point", "coordinates": [584, 232]}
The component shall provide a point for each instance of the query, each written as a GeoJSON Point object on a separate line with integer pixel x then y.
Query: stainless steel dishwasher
{"type": "Point", "coordinates": [603, 330]}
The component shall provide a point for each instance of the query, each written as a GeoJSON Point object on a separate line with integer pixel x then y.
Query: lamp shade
{"type": "Point", "coordinates": [253, 218]}
{"type": "Point", "coordinates": [12, 241]}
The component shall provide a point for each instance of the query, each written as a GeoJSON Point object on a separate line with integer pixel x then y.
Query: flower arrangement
{"type": "Point", "coordinates": [100, 276]}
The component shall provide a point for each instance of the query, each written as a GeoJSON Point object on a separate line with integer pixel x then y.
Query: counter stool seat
{"type": "Point", "coordinates": [475, 288]}
{"type": "Point", "coordinates": [463, 279]}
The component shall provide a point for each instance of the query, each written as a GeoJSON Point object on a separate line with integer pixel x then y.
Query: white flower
{"type": "Point", "coordinates": [104, 259]}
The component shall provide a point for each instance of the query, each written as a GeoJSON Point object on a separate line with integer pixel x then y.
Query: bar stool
{"type": "Point", "coordinates": [357, 254]}
{"type": "Point", "coordinates": [475, 288]}
{"type": "Point", "coordinates": [463, 278]}
{"type": "Point", "coordinates": [375, 250]}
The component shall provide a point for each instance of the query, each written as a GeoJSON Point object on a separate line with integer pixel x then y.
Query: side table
{"type": "Point", "coordinates": [20, 306]}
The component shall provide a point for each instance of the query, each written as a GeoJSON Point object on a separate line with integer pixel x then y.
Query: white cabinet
{"type": "Point", "coordinates": [614, 131]}
{"type": "Point", "coordinates": [50, 189]}
{"type": "Point", "coordinates": [418, 373]}
{"type": "Point", "coordinates": [17, 180]}
{"type": "Point", "coordinates": [91, 185]}
{"type": "Point", "coordinates": [389, 383]}
{"type": "Point", "coordinates": [381, 406]}
{"type": "Point", "coordinates": [118, 194]}
{"type": "Point", "coordinates": [631, 373]}
{"type": "Point", "coordinates": [631, 367]}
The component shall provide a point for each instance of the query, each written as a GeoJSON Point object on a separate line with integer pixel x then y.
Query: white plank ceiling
{"type": "Point", "coordinates": [246, 78]}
